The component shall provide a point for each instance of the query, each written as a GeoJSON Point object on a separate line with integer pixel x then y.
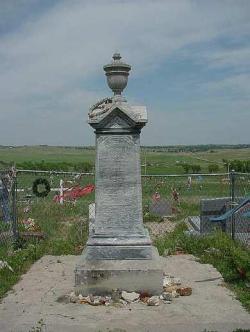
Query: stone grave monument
{"type": "Point", "coordinates": [119, 253]}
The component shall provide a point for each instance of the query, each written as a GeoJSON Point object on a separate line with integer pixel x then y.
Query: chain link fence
{"type": "Point", "coordinates": [8, 214]}
{"type": "Point", "coordinates": [41, 203]}
{"type": "Point", "coordinates": [241, 186]}
{"type": "Point", "coordinates": [50, 202]}
{"type": "Point", "coordinates": [205, 202]}
{"type": "Point", "coordinates": [239, 221]}
{"type": "Point", "coordinates": [169, 199]}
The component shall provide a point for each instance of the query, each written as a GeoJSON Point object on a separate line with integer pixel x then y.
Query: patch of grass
{"type": "Point", "coordinates": [4, 227]}
{"type": "Point", "coordinates": [230, 258]}
{"type": "Point", "coordinates": [66, 233]}
{"type": "Point", "coordinates": [149, 217]}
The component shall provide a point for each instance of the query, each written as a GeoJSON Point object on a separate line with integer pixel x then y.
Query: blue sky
{"type": "Point", "coordinates": [190, 67]}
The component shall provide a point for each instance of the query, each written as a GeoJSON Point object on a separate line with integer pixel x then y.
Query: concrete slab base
{"type": "Point", "coordinates": [100, 277]}
{"type": "Point", "coordinates": [211, 307]}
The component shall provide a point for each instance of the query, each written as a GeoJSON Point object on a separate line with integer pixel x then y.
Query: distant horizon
{"type": "Point", "coordinates": [168, 146]}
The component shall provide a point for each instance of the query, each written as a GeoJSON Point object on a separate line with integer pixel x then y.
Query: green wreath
{"type": "Point", "coordinates": [36, 184]}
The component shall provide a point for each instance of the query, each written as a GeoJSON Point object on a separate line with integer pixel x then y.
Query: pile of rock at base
{"type": "Point", "coordinates": [171, 289]}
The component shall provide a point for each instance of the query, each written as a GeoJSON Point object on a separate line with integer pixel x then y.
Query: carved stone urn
{"type": "Point", "coordinates": [117, 74]}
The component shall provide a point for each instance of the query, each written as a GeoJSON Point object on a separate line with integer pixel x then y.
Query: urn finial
{"type": "Point", "coordinates": [117, 74]}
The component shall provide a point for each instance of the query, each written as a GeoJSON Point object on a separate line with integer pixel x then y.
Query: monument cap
{"type": "Point", "coordinates": [117, 74]}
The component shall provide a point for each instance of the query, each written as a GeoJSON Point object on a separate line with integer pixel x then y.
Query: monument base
{"type": "Point", "coordinates": [118, 252]}
{"type": "Point", "coordinates": [100, 277]}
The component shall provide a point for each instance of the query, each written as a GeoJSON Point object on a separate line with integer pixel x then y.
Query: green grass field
{"type": "Point", "coordinates": [156, 161]}
{"type": "Point", "coordinates": [46, 153]}
{"type": "Point", "coordinates": [168, 162]}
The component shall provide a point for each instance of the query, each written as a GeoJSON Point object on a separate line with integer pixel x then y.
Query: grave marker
{"type": "Point", "coordinates": [119, 252]}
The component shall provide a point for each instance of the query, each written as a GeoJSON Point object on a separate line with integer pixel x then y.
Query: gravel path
{"type": "Point", "coordinates": [211, 307]}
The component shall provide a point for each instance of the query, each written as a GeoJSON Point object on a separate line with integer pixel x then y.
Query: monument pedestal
{"type": "Point", "coordinates": [119, 252]}
{"type": "Point", "coordinates": [100, 277]}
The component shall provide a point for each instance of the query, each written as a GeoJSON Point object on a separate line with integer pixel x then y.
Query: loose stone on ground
{"type": "Point", "coordinates": [170, 289]}
{"type": "Point", "coordinates": [130, 296]}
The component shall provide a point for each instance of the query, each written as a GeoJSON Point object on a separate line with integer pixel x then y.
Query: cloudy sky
{"type": "Point", "coordinates": [190, 67]}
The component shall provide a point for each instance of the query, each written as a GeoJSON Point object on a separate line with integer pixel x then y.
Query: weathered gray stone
{"type": "Point", "coordinates": [153, 301]}
{"type": "Point", "coordinates": [117, 231]}
{"type": "Point", "coordinates": [130, 296]}
{"type": "Point", "coordinates": [117, 236]}
{"type": "Point", "coordinates": [166, 296]}
{"type": "Point", "coordinates": [118, 252]}
{"type": "Point", "coordinates": [101, 277]}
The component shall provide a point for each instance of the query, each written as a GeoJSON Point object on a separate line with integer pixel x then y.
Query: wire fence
{"type": "Point", "coordinates": [239, 221]}
{"type": "Point", "coordinates": [36, 199]}
{"type": "Point", "coordinates": [8, 213]}
{"type": "Point", "coordinates": [170, 199]}
{"type": "Point", "coordinates": [45, 198]}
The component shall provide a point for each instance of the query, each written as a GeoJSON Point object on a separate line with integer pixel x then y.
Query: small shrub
{"type": "Point", "coordinates": [213, 168]}
{"type": "Point", "coordinates": [186, 167]}
{"type": "Point", "coordinates": [196, 168]}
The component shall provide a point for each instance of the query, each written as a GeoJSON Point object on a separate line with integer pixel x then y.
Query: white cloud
{"type": "Point", "coordinates": [49, 64]}
{"type": "Point", "coordinates": [235, 84]}
{"type": "Point", "coordinates": [238, 58]}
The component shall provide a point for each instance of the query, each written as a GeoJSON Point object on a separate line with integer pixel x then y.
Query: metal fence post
{"type": "Point", "coordinates": [14, 210]}
{"type": "Point", "coordinates": [232, 194]}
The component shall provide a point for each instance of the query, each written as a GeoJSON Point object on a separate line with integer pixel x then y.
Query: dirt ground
{"type": "Point", "coordinates": [211, 307]}
{"type": "Point", "coordinates": [158, 228]}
